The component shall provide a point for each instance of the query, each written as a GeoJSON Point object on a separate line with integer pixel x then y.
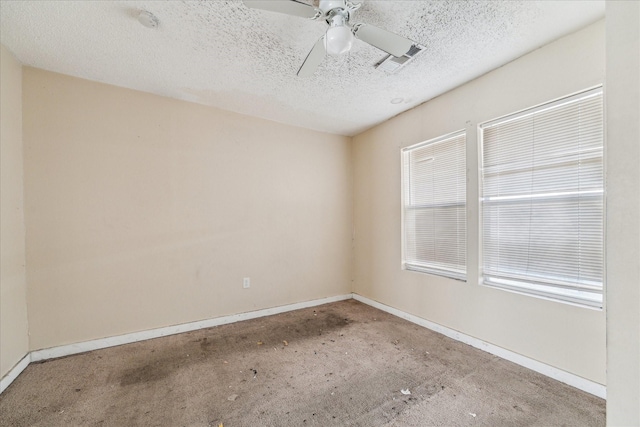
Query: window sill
{"type": "Point", "coordinates": [597, 306]}
{"type": "Point", "coordinates": [435, 272]}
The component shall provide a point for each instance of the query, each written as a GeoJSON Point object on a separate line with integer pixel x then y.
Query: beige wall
{"type": "Point", "coordinates": [567, 337]}
{"type": "Point", "coordinates": [623, 213]}
{"type": "Point", "coordinates": [143, 211]}
{"type": "Point", "coordinates": [14, 338]}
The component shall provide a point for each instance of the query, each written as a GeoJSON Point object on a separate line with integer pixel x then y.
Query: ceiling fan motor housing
{"type": "Point", "coordinates": [328, 5]}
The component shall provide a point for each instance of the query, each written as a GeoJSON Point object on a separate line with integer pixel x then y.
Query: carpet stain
{"type": "Point", "coordinates": [147, 373]}
{"type": "Point", "coordinates": [212, 343]}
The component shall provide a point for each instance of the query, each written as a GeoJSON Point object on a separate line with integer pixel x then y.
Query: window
{"type": "Point", "coordinates": [434, 206]}
{"type": "Point", "coordinates": [543, 200]}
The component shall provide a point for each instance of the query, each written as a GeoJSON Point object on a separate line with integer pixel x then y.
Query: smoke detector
{"type": "Point", "coordinates": [148, 19]}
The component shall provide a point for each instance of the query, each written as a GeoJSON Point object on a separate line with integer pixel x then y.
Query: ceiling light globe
{"type": "Point", "coordinates": [338, 40]}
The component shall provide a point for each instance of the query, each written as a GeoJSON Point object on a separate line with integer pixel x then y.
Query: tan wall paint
{"type": "Point", "coordinates": [567, 337]}
{"type": "Point", "coordinates": [144, 211]}
{"type": "Point", "coordinates": [14, 338]}
{"type": "Point", "coordinates": [623, 213]}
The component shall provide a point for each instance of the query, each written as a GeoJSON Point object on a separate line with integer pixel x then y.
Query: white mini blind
{"type": "Point", "coordinates": [543, 200]}
{"type": "Point", "coordinates": [434, 206]}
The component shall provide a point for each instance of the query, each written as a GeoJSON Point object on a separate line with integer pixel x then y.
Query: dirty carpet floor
{"type": "Point", "coordinates": [340, 364]}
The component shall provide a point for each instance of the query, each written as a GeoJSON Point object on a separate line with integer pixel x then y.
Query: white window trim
{"type": "Point", "coordinates": [534, 289]}
{"type": "Point", "coordinates": [442, 272]}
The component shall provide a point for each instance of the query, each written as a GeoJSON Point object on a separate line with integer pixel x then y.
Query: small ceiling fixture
{"type": "Point", "coordinates": [148, 19]}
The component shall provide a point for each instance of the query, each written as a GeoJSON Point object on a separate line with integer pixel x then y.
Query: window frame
{"type": "Point", "coordinates": [442, 272]}
{"type": "Point", "coordinates": [532, 287]}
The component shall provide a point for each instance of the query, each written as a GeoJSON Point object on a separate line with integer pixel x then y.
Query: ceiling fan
{"type": "Point", "coordinates": [340, 35]}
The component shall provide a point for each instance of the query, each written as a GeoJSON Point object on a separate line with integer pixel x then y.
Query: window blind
{"type": "Point", "coordinates": [434, 206]}
{"type": "Point", "coordinates": [543, 200]}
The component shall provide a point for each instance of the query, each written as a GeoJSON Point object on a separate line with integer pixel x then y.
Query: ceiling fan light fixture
{"type": "Point", "coordinates": [340, 36]}
{"type": "Point", "coordinates": [338, 40]}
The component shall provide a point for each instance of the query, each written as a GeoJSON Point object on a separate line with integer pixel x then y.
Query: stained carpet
{"type": "Point", "coordinates": [340, 364]}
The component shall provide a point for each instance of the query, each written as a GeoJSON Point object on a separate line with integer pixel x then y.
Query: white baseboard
{"type": "Point", "coordinates": [82, 347]}
{"type": "Point", "coordinates": [14, 372]}
{"type": "Point", "coordinates": [542, 368]}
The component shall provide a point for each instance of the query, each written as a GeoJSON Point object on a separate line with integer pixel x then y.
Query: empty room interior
{"type": "Point", "coordinates": [286, 213]}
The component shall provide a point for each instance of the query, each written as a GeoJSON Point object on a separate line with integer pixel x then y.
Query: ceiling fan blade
{"type": "Point", "coordinates": [289, 7]}
{"type": "Point", "coordinates": [313, 59]}
{"type": "Point", "coordinates": [382, 39]}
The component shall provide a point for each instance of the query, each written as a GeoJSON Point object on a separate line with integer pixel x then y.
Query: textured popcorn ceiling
{"type": "Point", "coordinates": [223, 54]}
